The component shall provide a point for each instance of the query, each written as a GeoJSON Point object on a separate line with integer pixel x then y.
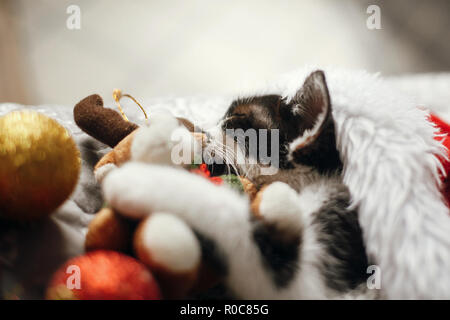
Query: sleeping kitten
{"type": "Point", "coordinates": [308, 244]}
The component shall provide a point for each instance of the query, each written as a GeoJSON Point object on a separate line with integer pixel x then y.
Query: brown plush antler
{"type": "Point", "coordinates": [103, 124]}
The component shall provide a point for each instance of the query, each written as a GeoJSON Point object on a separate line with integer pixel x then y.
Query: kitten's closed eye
{"type": "Point", "coordinates": [239, 121]}
{"type": "Point", "coordinates": [235, 116]}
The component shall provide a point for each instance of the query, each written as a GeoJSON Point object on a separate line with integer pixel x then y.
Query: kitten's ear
{"type": "Point", "coordinates": [311, 110]}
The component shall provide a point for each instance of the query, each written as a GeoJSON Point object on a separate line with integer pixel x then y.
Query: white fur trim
{"type": "Point", "coordinates": [388, 149]}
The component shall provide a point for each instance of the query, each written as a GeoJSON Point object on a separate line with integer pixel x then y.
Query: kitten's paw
{"type": "Point", "coordinates": [278, 205]}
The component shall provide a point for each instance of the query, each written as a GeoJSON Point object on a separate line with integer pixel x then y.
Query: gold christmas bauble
{"type": "Point", "coordinates": [39, 165]}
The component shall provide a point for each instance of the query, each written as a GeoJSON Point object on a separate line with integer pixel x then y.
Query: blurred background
{"type": "Point", "coordinates": [205, 47]}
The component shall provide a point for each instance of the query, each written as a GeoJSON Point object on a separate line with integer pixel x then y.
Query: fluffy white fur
{"type": "Point", "coordinates": [388, 149]}
{"type": "Point", "coordinates": [428, 90]}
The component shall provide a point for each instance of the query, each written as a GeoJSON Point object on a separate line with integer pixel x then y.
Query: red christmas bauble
{"type": "Point", "coordinates": [103, 275]}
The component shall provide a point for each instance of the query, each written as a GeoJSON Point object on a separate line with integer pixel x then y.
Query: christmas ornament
{"type": "Point", "coordinates": [103, 275]}
{"type": "Point", "coordinates": [39, 165]}
{"type": "Point", "coordinates": [202, 170]}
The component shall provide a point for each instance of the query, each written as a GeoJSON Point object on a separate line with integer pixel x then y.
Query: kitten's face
{"type": "Point", "coordinates": [302, 128]}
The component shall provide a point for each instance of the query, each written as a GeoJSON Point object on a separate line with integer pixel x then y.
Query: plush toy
{"type": "Point", "coordinates": [109, 127]}
{"type": "Point", "coordinates": [163, 242]}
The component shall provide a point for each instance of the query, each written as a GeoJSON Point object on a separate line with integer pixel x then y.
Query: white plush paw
{"type": "Point", "coordinates": [137, 189]}
{"type": "Point", "coordinates": [153, 143]}
{"type": "Point", "coordinates": [125, 190]}
{"type": "Point", "coordinates": [280, 206]}
{"type": "Point", "coordinates": [164, 141]}
{"type": "Point", "coordinates": [101, 172]}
